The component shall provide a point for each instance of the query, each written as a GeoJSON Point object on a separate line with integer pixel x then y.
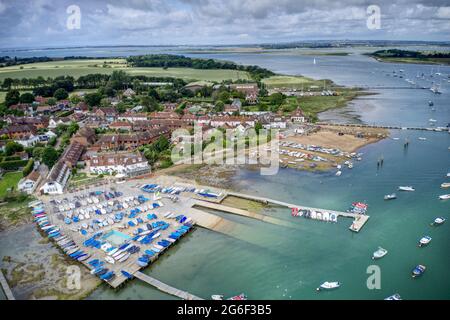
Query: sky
{"type": "Point", "coordinates": [55, 23]}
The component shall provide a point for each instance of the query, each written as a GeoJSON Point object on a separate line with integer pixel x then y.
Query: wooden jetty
{"type": "Point", "coordinates": [6, 288]}
{"type": "Point", "coordinates": [358, 222]}
{"type": "Point", "coordinates": [165, 287]}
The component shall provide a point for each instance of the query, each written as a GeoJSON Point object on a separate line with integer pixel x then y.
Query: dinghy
{"type": "Point", "coordinates": [424, 241]}
{"type": "Point", "coordinates": [380, 253]}
{"type": "Point", "coordinates": [418, 271]}
{"type": "Point", "coordinates": [329, 286]}
{"type": "Point", "coordinates": [407, 188]}
{"type": "Point", "coordinates": [390, 196]}
{"type": "Point", "coordinates": [395, 296]}
{"type": "Point", "coordinates": [438, 221]}
{"type": "Point", "coordinates": [110, 260]}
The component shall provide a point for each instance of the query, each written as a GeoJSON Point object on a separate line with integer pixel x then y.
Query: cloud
{"type": "Point", "coordinates": [43, 22]}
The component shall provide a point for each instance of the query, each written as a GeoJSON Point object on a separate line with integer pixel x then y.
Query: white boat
{"type": "Point", "coordinates": [444, 197]}
{"type": "Point", "coordinates": [438, 221]}
{"type": "Point", "coordinates": [395, 296]}
{"type": "Point", "coordinates": [424, 241]}
{"type": "Point", "coordinates": [422, 138]}
{"type": "Point", "coordinates": [217, 297]}
{"type": "Point", "coordinates": [445, 185]}
{"type": "Point", "coordinates": [380, 253]}
{"type": "Point", "coordinates": [339, 173]}
{"type": "Point", "coordinates": [113, 251]}
{"type": "Point", "coordinates": [125, 257]}
{"type": "Point", "coordinates": [396, 139]}
{"type": "Point", "coordinates": [329, 285]}
{"type": "Point", "coordinates": [110, 260]}
{"type": "Point", "coordinates": [432, 120]}
{"type": "Point", "coordinates": [390, 196]}
{"type": "Point", "coordinates": [408, 188]}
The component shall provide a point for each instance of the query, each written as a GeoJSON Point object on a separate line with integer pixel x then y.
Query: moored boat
{"type": "Point", "coordinates": [390, 196]}
{"type": "Point", "coordinates": [418, 271]}
{"type": "Point", "coordinates": [424, 241]}
{"type": "Point", "coordinates": [406, 188]}
{"type": "Point", "coordinates": [444, 197]}
{"type": "Point", "coordinates": [438, 221]}
{"type": "Point", "coordinates": [329, 285]}
{"type": "Point", "coordinates": [380, 253]}
{"type": "Point", "coordinates": [241, 296]}
{"type": "Point", "coordinates": [395, 296]}
{"type": "Point", "coordinates": [217, 297]}
{"type": "Point", "coordinates": [445, 185]}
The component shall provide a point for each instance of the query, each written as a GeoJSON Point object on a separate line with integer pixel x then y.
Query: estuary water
{"type": "Point", "coordinates": [272, 262]}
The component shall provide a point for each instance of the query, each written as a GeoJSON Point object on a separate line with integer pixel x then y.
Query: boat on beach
{"type": "Point", "coordinates": [329, 285]}
{"type": "Point", "coordinates": [424, 241]}
{"type": "Point", "coordinates": [380, 253]}
{"type": "Point", "coordinates": [418, 271]}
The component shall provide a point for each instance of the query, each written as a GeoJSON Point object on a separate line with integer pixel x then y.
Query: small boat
{"type": "Point", "coordinates": [126, 274]}
{"type": "Point", "coordinates": [395, 296]}
{"type": "Point", "coordinates": [329, 286]}
{"type": "Point", "coordinates": [438, 221]}
{"type": "Point", "coordinates": [418, 271]}
{"type": "Point", "coordinates": [390, 196]}
{"type": "Point", "coordinates": [430, 103]}
{"type": "Point", "coordinates": [380, 253]}
{"type": "Point", "coordinates": [408, 188]}
{"type": "Point", "coordinates": [444, 197]}
{"type": "Point", "coordinates": [424, 241]}
{"type": "Point", "coordinates": [217, 297]}
{"type": "Point", "coordinates": [445, 185]}
{"type": "Point", "coordinates": [422, 138]}
{"type": "Point", "coordinates": [109, 260]}
{"type": "Point", "coordinates": [339, 173]}
{"type": "Point", "coordinates": [241, 296]}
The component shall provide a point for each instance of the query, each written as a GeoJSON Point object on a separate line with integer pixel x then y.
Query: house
{"type": "Point", "coordinates": [298, 116]}
{"type": "Point", "coordinates": [24, 107]}
{"type": "Point", "coordinates": [109, 114]}
{"type": "Point", "coordinates": [164, 115]}
{"type": "Point", "coordinates": [250, 90]}
{"type": "Point", "coordinates": [121, 125]}
{"type": "Point", "coordinates": [55, 122]}
{"type": "Point", "coordinates": [132, 116]}
{"type": "Point", "coordinates": [45, 109]}
{"type": "Point", "coordinates": [172, 124]}
{"type": "Point", "coordinates": [168, 106]}
{"type": "Point", "coordinates": [28, 140]}
{"type": "Point", "coordinates": [18, 131]}
{"type": "Point", "coordinates": [189, 119]}
{"type": "Point", "coordinates": [275, 122]}
{"type": "Point", "coordinates": [72, 154]}
{"type": "Point", "coordinates": [29, 183]}
{"type": "Point", "coordinates": [233, 122]}
{"type": "Point", "coordinates": [37, 122]}
{"type": "Point", "coordinates": [127, 163]}
{"type": "Point", "coordinates": [81, 108]}
{"type": "Point", "coordinates": [129, 93]}
{"type": "Point", "coordinates": [56, 179]}
{"type": "Point", "coordinates": [84, 136]}
{"type": "Point", "coordinates": [130, 141]}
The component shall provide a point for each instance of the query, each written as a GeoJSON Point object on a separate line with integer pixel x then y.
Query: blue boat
{"type": "Point", "coordinates": [418, 271]}
{"type": "Point", "coordinates": [126, 274]}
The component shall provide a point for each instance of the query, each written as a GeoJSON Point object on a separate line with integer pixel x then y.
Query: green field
{"type": "Point", "coordinates": [294, 82]}
{"type": "Point", "coordinates": [9, 180]}
{"type": "Point", "coordinates": [77, 68]}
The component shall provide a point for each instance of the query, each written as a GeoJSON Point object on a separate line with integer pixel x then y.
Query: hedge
{"type": "Point", "coordinates": [28, 168]}
{"type": "Point", "coordinates": [11, 158]}
{"type": "Point", "coordinates": [13, 165]}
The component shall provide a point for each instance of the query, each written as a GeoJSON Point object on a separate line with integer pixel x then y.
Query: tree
{"type": "Point", "coordinates": [26, 97]}
{"type": "Point", "coordinates": [7, 83]}
{"type": "Point", "coordinates": [60, 94]}
{"type": "Point", "coordinates": [277, 98]}
{"type": "Point", "coordinates": [121, 107]}
{"type": "Point", "coordinates": [51, 101]}
{"type": "Point", "coordinates": [219, 107]}
{"type": "Point", "coordinates": [93, 99]}
{"type": "Point", "coordinates": [49, 156]}
{"type": "Point", "coordinates": [258, 126]}
{"type": "Point", "coordinates": [12, 97]}
{"type": "Point", "coordinates": [12, 147]}
{"type": "Point", "coordinates": [37, 152]}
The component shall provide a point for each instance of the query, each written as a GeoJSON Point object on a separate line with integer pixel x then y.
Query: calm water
{"type": "Point", "coordinates": [273, 262]}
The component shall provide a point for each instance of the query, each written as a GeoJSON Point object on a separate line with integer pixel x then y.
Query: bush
{"type": "Point", "coordinates": [13, 165]}
{"type": "Point", "coordinates": [28, 168]}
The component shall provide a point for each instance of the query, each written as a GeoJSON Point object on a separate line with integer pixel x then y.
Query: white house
{"type": "Point", "coordinates": [233, 122]}
{"type": "Point", "coordinates": [130, 164]}
{"type": "Point", "coordinates": [132, 117]}
{"type": "Point", "coordinates": [29, 183]}
{"type": "Point", "coordinates": [53, 123]}
{"type": "Point", "coordinates": [56, 179]}
{"type": "Point", "coordinates": [129, 93]}
{"type": "Point", "coordinates": [297, 116]}
{"type": "Point", "coordinates": [28, 140]}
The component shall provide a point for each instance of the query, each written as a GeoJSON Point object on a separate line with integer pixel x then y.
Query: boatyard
{"type": "Point", "coordinates": [115, 234]}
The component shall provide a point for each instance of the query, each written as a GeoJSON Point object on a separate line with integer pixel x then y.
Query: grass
{"type": "Point", "coordinates": [294, 82]}
{"type": "Point", "coordinates": [77, 68]}
{"type": "Point", "coordinates": [9, 180]}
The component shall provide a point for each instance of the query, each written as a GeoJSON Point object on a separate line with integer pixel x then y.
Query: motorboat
{"type": "Point", "coordinates": [390, 196]}
{"type": "Point", "coordinates": [445, 185]}
{"type": "Point", "coordinates": [380, 253]}
{"type": "Point", "coordinates": [241, 296]}
{"type": "Point", "coordinates": [217, 297]}
{"type": "Point", "coordinates": [395, 296]}
{"type": "Point", "coordinates": [422, 139]}
{"type": "Point", "coordinates": [444, 197]}
{"type": "Point", "coordinates": [418, 271]}
{"type": "Point", "coordinates": [424, 241]}
{"type": "Point", "coordinates": [438, 221]}
{"type": "Point", "coordinates": [109, 259]}
{"type": "Point", "coordinates": [339, 173]}
{"type": "Point", "coordinates": [329, 285]}
{"type": "Point", "coordinates": [407, 188]}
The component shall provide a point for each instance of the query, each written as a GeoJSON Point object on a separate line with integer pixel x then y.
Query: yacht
{"type": "Point", "coordinates": [329, 286]}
